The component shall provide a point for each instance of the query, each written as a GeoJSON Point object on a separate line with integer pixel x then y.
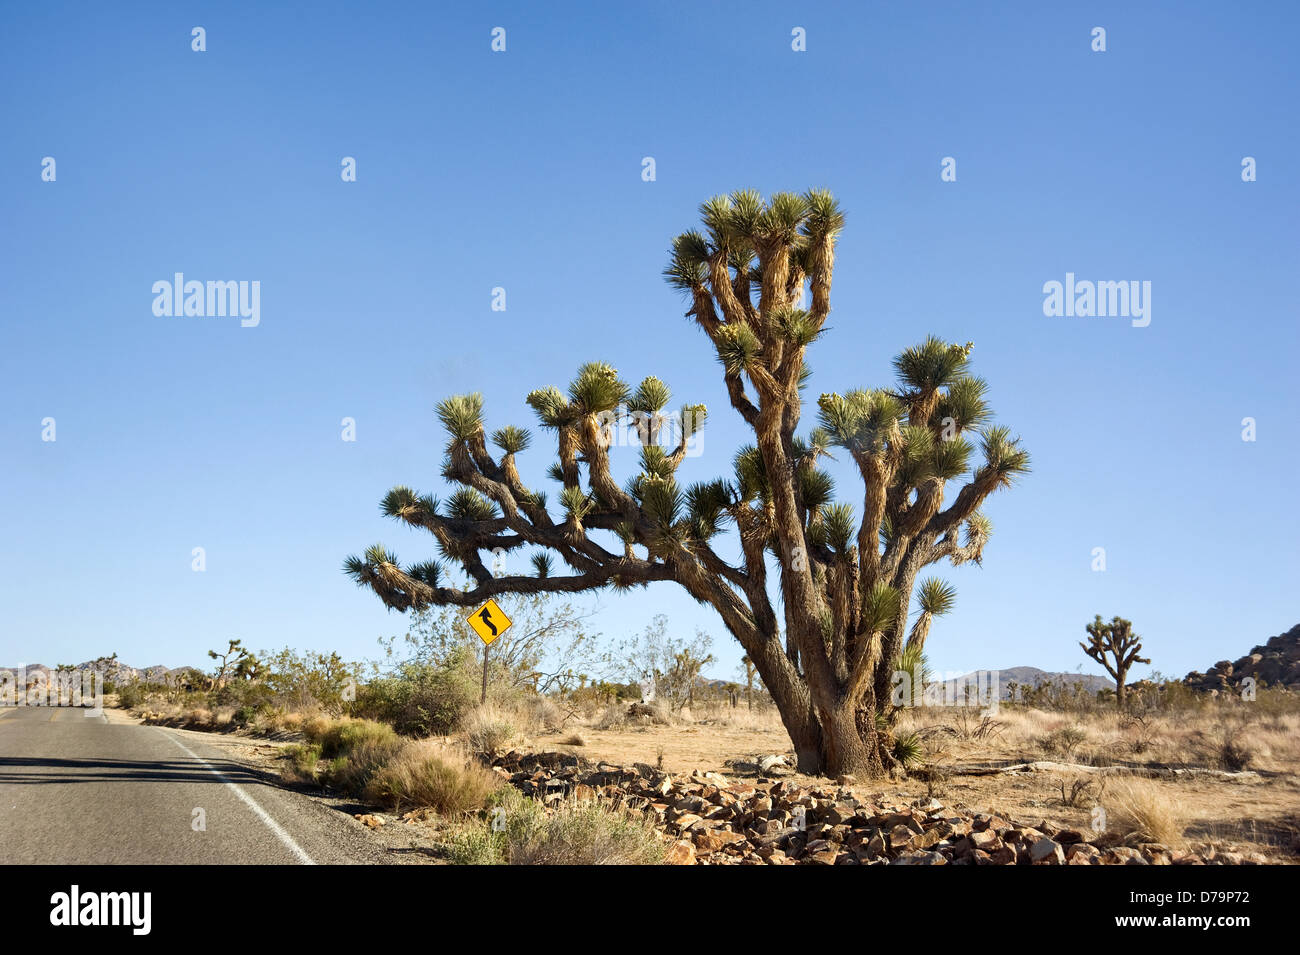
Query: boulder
{"type": "Point", "coordinates": [1047, 852]}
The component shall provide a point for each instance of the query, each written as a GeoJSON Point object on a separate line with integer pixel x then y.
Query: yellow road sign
{"type": "Point", "coordinates": [489, 621]}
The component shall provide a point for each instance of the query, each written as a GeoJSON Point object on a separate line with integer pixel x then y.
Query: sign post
{"type": "Point", "coordinates": [489, 622]}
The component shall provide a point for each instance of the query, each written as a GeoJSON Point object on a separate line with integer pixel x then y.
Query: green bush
{"type": "Point", "coordinates": [302, 761]}
{"type": "Point", "coordinates": [355, 750]}
{"type": "Point", "coordinates": [340, 737]}
{"type": "Point", "coordinates": [351, 772]}
{"type": "Point", "coordinates": [130, 695]}
{"type": "Point", "coordinates": [419, 699]}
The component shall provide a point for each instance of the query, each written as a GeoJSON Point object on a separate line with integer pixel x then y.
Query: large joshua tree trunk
{"type": "Point", "coordinates": [843, 581]}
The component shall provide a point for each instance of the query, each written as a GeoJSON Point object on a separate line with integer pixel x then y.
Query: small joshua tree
{"type": "Point", "coordinates": [1117, 641]}
{"type": "Point", "coordinates": [236, 660]}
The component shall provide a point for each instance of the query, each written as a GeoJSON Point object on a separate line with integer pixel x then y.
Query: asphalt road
{"type": "Point", "coordinates": [76, 789]}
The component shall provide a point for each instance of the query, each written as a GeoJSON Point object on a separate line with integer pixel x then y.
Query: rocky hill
{"type": "Point", "coordinates": [114, 671]}
{"type": "Point", "coordinates": [1274, 663]}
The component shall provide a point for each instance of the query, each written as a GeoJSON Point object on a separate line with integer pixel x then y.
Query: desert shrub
{"type": "Point", "coordinates": [315, 727]}
{"type": "Point", "coordinates": [352, 772]}
{"type": "Point", "coordinates": [251, 695]}
{"type": "Point", "coordinates": [340, 737]}
{"type": "Point", "coordinates": [1140, 729]}
{"type": "Point", "coordinates": [355, 750]}
{"type": "Point", "coordinates": [1082, 791]}
{"type": "Point", "coordinates": [542, 713]}
{"type": "Point", "coordinates": [301, 762]}
{"type": "Point", "coordinates": [614, 715]}
{"type": "Point", "coordinates": [249, 713]}
{"type": "Point", "coordinates": [488, 729]}
{"type": "Point", "coordinates": [427, 774]}
{"type": "Point", "coordinates": [130, 695]}
{"type": "Point", "coordinates": [310, 680]}
{"type": "Point", "coordinates": [1064, 741]}
{"type": "Point", "coordinates": [589, 834]}
{"type": "Point", "coordinates": [573, 834]}
{"type": "Point", "coordinates": [419, 699]}
{"type": "Point", "coordinates": [1232, 753]}
{"type": "Point", "coordinates": [474, 845]}
{"type": "Point", "coordinates": [620, 714]}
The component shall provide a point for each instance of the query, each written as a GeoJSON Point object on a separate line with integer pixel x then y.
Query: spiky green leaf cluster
{"type": "Point", "coordinates": [706, 505]}
{"type": "Point", "coordinates": [461, 415]}
{"type": "Point", "coordinates": [651, 396]}
{"type": "Point", "coordinates": [738, 348]}
{"type": "Point", "coordinates": [576, 503]}
{"type": "Point", "coordinates": [936, 597]}
{"type": "Point", "coordinates": [835, 527]}
{"type": "Point", "coordinates": [1003, 455]}
{"type": "Point", "coordinates": [597, 388]}
{"type": "Point", "coordinates": [511, 439]}
{"type": "Point", "coordinates": [688, 261]}
{"type": "Point", "coordinates": [879, 607]}
{"type": "Point", "coordinates": [467, 504]}
{"type": "Point", "coordinates": [405, 504]}
{"type": "Point", "coordinates": [551, 406]}
{"type": "Point", "coordinates": [751, 475]}
{"type": "Point", "coordinates": [964, 403]}
{"type": "Point", "coordinates": [860, 420]}
{"type": "Point", "coordinates": [542, 564]}
{"type": "Point", "coordinates": [427, 572]}
{"type": "Point", "coordinates": [796, 326]}
{"type": "Point", "coordinates": [932, 364]}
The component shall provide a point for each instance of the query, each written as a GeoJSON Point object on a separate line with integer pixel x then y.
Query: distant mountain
{"type": "Point", "coordinates": [1031, 676]}
{"type": "Point", "coordinates": [114, 671]}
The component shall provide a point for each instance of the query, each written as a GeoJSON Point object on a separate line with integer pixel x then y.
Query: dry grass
{"type": "Point", "coordinates": [489, 728]}
{"type": "Point", "coordinates": [590, 835]}
{"type": "Point", "coordinates": [1147, 812]}
{"type": "Point", "coordinates": [572, 834]}
{"type": "Point", "coordinates": [429, 774]}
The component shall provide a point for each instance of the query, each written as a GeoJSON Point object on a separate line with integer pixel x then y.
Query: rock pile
{"type": "Point", "coordinates": [1274, 663]}
{"type": "Point", "coordinates": [712, 821]}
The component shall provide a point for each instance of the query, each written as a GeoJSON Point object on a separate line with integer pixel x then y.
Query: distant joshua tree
{"type": "Point", "coordinates": [235, 661]}
{"type": "Point", "coordinates": [1115, 646]}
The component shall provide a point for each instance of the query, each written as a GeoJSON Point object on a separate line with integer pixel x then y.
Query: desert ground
{"type": "Point", "coordinates": [1221, 779]}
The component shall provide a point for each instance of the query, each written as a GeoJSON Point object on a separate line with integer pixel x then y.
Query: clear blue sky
{"type": "Point", "coordinates": [523, 170]}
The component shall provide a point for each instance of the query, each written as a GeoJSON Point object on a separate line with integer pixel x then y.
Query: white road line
{"type": "Point", "coordinates": [262, 814]}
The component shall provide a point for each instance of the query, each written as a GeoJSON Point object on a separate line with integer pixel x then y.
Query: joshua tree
{"type": "Point", "coordinates": [747, 665]}
{"type": "Point", "coordinates": [233, 661]}
{"type": "Point", "coordinates": [1116, 641]}
{"type": "Point", "coordinates": [825, 622]}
